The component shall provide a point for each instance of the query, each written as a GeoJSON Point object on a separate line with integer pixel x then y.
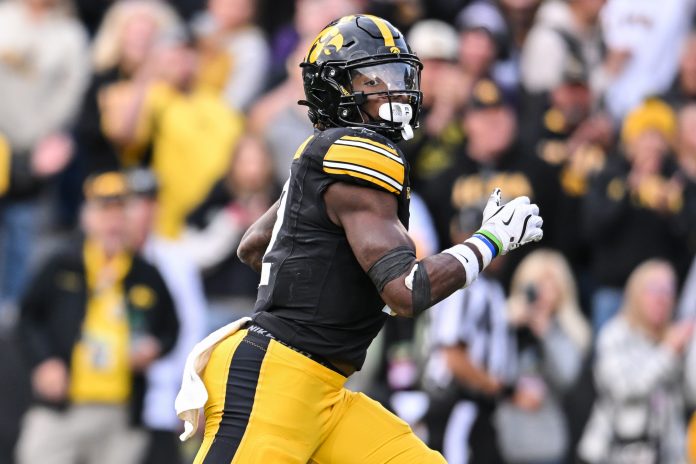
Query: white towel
{"type": "Point", "coordinates": [193, 395]}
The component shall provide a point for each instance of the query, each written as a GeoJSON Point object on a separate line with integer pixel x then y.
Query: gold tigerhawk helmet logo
{"type": "Point", "coordinates": [329, 36]}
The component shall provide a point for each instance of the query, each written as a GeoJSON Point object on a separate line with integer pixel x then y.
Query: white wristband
{"type": "Point", "coordinates": [484, 249]}
{"type": "Point", "coordinates": [468, 259]}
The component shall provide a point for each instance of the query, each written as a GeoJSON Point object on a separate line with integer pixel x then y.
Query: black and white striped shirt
{"type": "Point", "coordinates": [474, 317]}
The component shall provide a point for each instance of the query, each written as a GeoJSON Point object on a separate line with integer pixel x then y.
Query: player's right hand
{"type": "Point", "coordinates": [512, 224]}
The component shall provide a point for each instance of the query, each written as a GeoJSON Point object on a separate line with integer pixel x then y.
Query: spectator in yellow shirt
{"type": "Point", "coordinates": [95, 317]}
{"type": "Point", "coordinates": [191, 129]}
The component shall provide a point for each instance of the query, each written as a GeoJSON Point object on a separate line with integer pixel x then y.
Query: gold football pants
{"type": "Point", "coordinates": [269, 404]}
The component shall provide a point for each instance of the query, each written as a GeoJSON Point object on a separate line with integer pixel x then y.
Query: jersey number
{"type": "Point", "coordinates": [280, 215]}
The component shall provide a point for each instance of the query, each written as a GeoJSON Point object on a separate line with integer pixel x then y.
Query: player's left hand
{"type": "Point", "coordinates": [513, 224]}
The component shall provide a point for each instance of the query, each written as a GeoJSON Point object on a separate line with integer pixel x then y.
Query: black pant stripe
{"type": "Point", "coordinates": [242, 380]}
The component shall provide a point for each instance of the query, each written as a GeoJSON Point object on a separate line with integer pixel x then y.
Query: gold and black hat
{"type": "Point", "coordinates": [106, 186]}
{"type": "Point", "coordinates": [486, 94]}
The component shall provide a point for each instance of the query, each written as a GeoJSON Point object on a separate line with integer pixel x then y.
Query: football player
{"type": "Point", "coordinates": [331, 253]}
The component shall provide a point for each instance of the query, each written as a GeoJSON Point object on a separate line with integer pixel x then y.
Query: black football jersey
{"type": "Point", "coordinates": [313, 294]}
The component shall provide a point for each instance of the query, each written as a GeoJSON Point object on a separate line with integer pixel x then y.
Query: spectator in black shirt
{"type": "Point", "coordinates": [575, 143]}
{"type": "Point", "coordinates": [433, 148]}
{"type": "Point", "coordinates": [94, 318]}
{"type": "Point", "coordinates": [634, 209]}
{"type": "Point", "coordinates": [490, 157]}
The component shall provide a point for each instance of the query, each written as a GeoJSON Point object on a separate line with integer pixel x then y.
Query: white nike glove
{"type": "Point", "coordinates": [511, 225]}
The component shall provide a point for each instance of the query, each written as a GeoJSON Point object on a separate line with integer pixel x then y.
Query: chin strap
{"type": "Point", "coordinates": [398, 113]}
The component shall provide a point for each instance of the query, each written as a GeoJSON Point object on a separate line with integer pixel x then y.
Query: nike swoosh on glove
{"type": "Point", "coordinates": [511, 225]}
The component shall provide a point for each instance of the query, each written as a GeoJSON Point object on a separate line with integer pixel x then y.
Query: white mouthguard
{"type": "Point", "coordinates": [398, 113]}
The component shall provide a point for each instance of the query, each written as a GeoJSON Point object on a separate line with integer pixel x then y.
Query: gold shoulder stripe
{"type": "Point", "coordinates": [384, 29]}
{"type": "Point", "coordinates": [367, 159]}
{"type": "Point", "coordinates": [5, 165]}
{"type": "Point", "coordinates": [371, 142]}
{"type": "Point", "coordinates": [363, 176]}
{"type": "Point", "coordinates": [372, 148]}
{"type": "Point", "coordinates": [302, 146]}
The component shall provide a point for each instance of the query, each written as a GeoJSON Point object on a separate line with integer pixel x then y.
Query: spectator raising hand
{"type": "Point", "coordinates": [639, 411]}
{"type": "Point", "coordinates": [51, 155]}
{"type": "Point", "coordinates": [635, 207]}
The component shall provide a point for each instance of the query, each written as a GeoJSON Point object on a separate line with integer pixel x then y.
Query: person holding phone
{"type": "Point", "coordinates": [552, 341]}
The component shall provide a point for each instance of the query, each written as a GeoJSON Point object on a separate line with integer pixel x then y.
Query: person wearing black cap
{"type": "Point", "coordinates": [489, 156]}
{"type": "Point", "coordinates": [184, 283]}
{"type": "Point", "coordinates": [94, 318]}
{"type": "Point", "coordinates": [562, 131]}
{"type": "Point", "coordinates": [432, 149]}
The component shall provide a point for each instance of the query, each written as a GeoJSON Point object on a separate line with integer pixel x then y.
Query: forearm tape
{"type": "Point", "coordinates": [474, 255]}
{"type": "Point", "coordinates": [418, 282]}
{"type": "Point", "coordinates": [390, 266]}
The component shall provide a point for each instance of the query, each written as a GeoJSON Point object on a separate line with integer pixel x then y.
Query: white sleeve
{"type": "Point", "coordinates": [164, 375]}
{"type": "Point", "coordinates": [625, 24]}
{"type": "Point", "coordinates": [447, 320]}
{"type": "Point", "coordinates": [209, 246]}
{"type": "Point", "coordinates": [542, 60]}
{"type": "Point", "coordinates": [250, 57]}
{"type": "Point", "coordinates": [191, 305]}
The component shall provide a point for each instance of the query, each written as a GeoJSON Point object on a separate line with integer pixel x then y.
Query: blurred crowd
{"type": "Point", "coordinates": [140, 138]}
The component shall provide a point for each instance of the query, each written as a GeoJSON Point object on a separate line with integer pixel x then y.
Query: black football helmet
{"type": "Point", "coordinates": [370, 49]}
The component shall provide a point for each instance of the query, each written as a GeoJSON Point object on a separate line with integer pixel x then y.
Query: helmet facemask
{"type": "Point", "coordinates": [382, 95]}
